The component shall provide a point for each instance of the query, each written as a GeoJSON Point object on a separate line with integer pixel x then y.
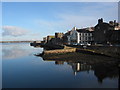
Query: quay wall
{"type": "Point", "coordinates": [113, 51]}
{"type": "Point", "coordinates": [60, 51]}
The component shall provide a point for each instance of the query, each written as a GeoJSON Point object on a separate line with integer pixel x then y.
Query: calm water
{"type": "Point", "coordinates": [22, 69]}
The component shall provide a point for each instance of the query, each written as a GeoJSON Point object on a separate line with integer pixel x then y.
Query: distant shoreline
{"type": "Point", "coordinates": [14, 41]}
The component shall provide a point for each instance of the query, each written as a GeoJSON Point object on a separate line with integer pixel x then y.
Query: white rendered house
{"type": "Point", "coordinates": [80, 37]}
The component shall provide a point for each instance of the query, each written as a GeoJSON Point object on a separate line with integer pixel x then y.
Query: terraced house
{"type": "Point", "coordinates": [80, 37]}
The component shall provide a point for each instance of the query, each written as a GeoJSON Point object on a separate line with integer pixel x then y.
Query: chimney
{"type": "Point", "coordinates": [74, 28]}
{"type": "Point", "coordinates": [100, 21]}
{"type": "Point", "coordinates": [114, 22]}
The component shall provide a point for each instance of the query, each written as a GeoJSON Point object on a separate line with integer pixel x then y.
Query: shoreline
{"type": "Point", "coordinates": [15, 41]}
{"type": "Point", "coordinates": [111, 51]}
{"type": "Point", "coordinates": [79, 57]}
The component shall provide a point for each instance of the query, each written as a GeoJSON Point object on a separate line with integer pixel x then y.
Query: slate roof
{"type": "Point", "coordinates": [83, 30]}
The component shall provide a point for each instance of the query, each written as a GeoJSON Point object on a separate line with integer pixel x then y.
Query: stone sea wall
{"type": "Point", "coordinates": [60, 51]}
{"type": "Point", "coordinates": [112, 51]}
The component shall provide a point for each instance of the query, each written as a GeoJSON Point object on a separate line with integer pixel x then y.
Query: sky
{"type": "Point", "coordinates": [35, 20]}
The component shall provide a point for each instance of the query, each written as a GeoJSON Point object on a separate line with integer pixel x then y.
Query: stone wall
{"type": "Point", "coordinates": [112, 51]}
{"type": "Point", "coordinates": [60, 51]}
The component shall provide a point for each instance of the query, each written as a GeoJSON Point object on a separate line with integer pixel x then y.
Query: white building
{"type": "Point", "coordinates": [80, 37]}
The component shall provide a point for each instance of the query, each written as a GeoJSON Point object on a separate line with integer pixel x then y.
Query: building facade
{"type": "Point", "coordinates": [59, 35]}
{"type": "Point", "coordinates": [80, 37]}
{"type": "Point", "coordinates": [106, 33]}
{"type": "Point", "coordinates": [48, 39]}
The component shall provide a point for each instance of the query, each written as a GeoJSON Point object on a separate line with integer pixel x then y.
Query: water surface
{"type": "Point", "coordinates": [22, 69]}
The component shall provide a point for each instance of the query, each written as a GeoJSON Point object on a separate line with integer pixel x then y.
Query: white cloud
{"type": "Point", "coordinates": [13, 31]}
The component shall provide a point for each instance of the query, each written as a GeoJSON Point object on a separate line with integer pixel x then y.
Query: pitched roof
{"type": "Point", "coordinates": [82, 30]}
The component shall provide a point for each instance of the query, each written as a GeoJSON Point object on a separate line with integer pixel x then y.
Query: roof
{"type": "Point", "coordinates": [104, 24]}
{"type": "Point", "coordinates": [82, 30]}
{"type": "Point", "coordinates": [51, 36]}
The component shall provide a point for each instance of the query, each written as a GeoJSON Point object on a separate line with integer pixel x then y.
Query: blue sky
{"type": "Point", "coordinates": [35, 20]}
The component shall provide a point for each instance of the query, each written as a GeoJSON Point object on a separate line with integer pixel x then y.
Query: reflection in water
{"type": "Point", "coordinates": [101, 70]}
{"type": "Point", "coordinates": [65, 71]}
{"type": "Point", "coordinates": [106, 68]}
{"type": "Point", "coordinates": [78, 67]}
{"type": "Point", "coordinates": [14, 51]}
{"type": "Point", "coordinates": [59, 62]}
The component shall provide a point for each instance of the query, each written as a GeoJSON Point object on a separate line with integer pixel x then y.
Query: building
{"type": "Point", "coordinates": [57, 40]}
{"type": "Point", "coordinates": [45, 39]}
{"type": "Point", "coordinates": [114, 37]}
{"type": "Point", "coordinates": [59, 35]}
{"type": "Point", "coordinates": [117, 26]}
{"type": "Point", "coordinates": [80, 37]}
{"type": "Point", "coordinates": [106, 33]}
{"type": "Point", "coordinates": [85, 36]}
{"type": "Point", "coordinates": [66, 38]}
{"type": "Point", "coordinates": [102, 33]}
{"type": "Point", "coordinates": [89, 28]}
{"type": "Point", "coordinates": [49, 38]}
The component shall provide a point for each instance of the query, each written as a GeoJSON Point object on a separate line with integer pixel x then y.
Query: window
{"type": "Point", "coordinates": [84, 34]}
{"type": "Point", "coordinates": [81, 34]}
{"type": "Point", "coordinates": [90, 34]}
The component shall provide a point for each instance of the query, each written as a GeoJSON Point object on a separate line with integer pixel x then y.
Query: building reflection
{"type": "Point", "coordinates": [101, 70]}
{"type": "Point", "coordinates": [59, 62]}
{"type": "Point", "coordinates": [102, 67]}
{"type": "Point", "coordinates": [78, 67]}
